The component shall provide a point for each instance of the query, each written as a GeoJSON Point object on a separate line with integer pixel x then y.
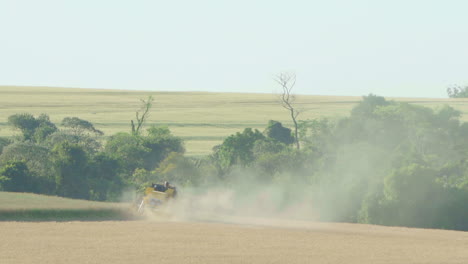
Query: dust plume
{"type": "Point", "coordinates": [301, 196]}
{"type": "Point", "coordinates": [242, 202]}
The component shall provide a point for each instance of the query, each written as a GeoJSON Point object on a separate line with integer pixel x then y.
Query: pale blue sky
{"type": "Point", "coordinates": [391, 48]}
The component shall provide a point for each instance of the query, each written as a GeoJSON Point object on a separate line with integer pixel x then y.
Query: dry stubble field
{"type": "Point", "coordinates": [198, 242]}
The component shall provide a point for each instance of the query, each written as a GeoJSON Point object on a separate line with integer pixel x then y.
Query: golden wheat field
{"type": "Point", "coordinates": [202, 119]}
{"type": "Point", "coordinates": [198, 242]}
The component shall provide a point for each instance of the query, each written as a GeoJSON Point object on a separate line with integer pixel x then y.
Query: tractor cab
{"type": "Point", "coordinates": [159, 187]}
{"type": "Point", "coordinates": [157, 195]}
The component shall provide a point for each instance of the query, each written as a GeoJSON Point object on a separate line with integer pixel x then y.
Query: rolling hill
{"type": "Point", "coordinates": [202, 119]}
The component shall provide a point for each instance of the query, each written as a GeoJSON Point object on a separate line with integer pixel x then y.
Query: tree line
{"type": "Point", "coordinates": [76, 161]}
{"type": "Point", "coordinates": [389, 163]}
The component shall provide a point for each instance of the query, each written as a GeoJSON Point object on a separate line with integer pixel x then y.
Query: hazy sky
{"type": "Point", "coordinates": [391, 48]}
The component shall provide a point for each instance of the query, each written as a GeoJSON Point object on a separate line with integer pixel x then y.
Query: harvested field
{"type": "Point", "coordinates": [198, 242]}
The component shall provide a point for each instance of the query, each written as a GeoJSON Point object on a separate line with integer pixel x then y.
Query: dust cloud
{"type": "Point", "coordinates": [240, 203]}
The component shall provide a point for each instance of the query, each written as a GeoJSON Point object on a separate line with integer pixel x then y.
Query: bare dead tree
{"type": "Point", "coordinates": [144, 110]}
{"type": "Point", "coordinates": [287, 82]}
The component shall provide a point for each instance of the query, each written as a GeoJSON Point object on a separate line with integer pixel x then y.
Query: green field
{"type": "Point", "coordinates": [202, 119]}
{"type": "Point", "coordinates": [34, 207]}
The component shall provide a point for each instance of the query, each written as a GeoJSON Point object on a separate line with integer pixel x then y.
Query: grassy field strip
{"type": "Point", "coordinates": [200, 148]}
{"type": "Point", "coordinates": [198, 117]}
{"type": "Point", "coordinates": [61, 215]}
{"type": "Point", "coordinates": [34, 207]}
{"type": "Point", "coordinates": [11, 200]}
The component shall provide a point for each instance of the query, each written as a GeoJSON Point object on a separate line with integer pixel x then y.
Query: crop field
{"type": "Point", "coordinates": [199, 242]}
{"type": "Point", "coordinates": [202, 119]}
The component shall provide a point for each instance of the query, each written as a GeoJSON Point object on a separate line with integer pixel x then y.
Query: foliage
{"type": "Point", "coordinates": [315, 133]}
{"type": "Point", "coordinates": [369, 105]}
{"type": "Point", "coordinates": [79, 126]}
{"type": "Point", "coordinates": [3, 143]}
{"type": "Point", "coordinates": [37, 159]}
{"type": "Point", "coordinates": [105, 183]}
{"type": "Point", "coordinates": [88, 142]}
{"type": "Point", "coordinates": [139, 151]}
{"type": "Point", "coordinates": [237, 149]}
{"type": "Point", "coordinates": [275, 130]}
{"type": "Point", "coordinates": [34, 129]}
{"type": "Point", "coordinates": [70, 163]}
{"type": "Point", "coordinates": [24, 122]}
{"type": "Point", "coordinates": [161, 143]}
{"type": "Point", "coordinates": [15, 177]}
{"type": "Point", "coordinates": [128, 149]}
{"type": "Point", "coordinates": [457, 92]}
{"type": "Point", "coordinates": [175, 168]}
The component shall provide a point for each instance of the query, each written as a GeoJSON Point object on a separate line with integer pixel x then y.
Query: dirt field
{"type": "Point", "coordinates": [197, 242]}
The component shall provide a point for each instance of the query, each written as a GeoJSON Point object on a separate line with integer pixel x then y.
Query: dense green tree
{"type": "Point", "coordinates": [316, 134]}
{"type": "Point", "coordinates": [80, 126]}
{"type": "Point", "coordinates": [407, 190]}
{"type": "Point", "coordinates": [26, 123]}
{"type": "Point", "coordinates": [39, 164]}
{"type": "Point", "coordinates": [128, 149]}
{"type": "Point", "coordinates": [277, 131]}
{"type": "Point", "coordinates": [454, 174]}
{"type": "Point", "coordinates": [37, 157]}
{"type": "Point", "coordinates": [280, 164]}
{"type": "Point", "coordinates": [88, 142]}
{"type": "Point", "coordinates": [237, 149]}
{"type": "Point", "coordinates": [45, 128]}
{"type": "Point", "coordinates": [175, 168]}
{"type": "Point", "coordinates": [417, 196]}
{"type": "Point", "coordinates": [3, 143]}
{"type": "Point", "coordinates": [104, 179]}
{"type": "Point", "coordinates": [34, 129]}
{"type": "Point", "coordinates": [267, 146]}
{"type": "Point", "coordinates": [161, 143]}
{"type": "Point", "coordinates": [368, 105]}
{"type": "Point", "coordinates": [16, 177]}
{"type": "Point", "coordinates": [384, 160]}
{"type": "Point", "coordinates": [143, 151]}
{"type": "Point", "coordinates": [71, 164]}
{"type": "Point", "coordinates": [179, 169]}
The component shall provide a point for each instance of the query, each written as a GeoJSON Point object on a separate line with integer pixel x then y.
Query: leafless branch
{"type": "Point", "coordinates": [287, 81]}
{"type": "Point", "coordinates": [144, 109]}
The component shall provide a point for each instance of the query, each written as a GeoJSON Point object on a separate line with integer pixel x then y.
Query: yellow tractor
{"type": "Point", "coordinates": [157, 196]}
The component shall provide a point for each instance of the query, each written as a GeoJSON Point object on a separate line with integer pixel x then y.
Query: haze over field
{"type": "Point", "coordinates": [398, 48]}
